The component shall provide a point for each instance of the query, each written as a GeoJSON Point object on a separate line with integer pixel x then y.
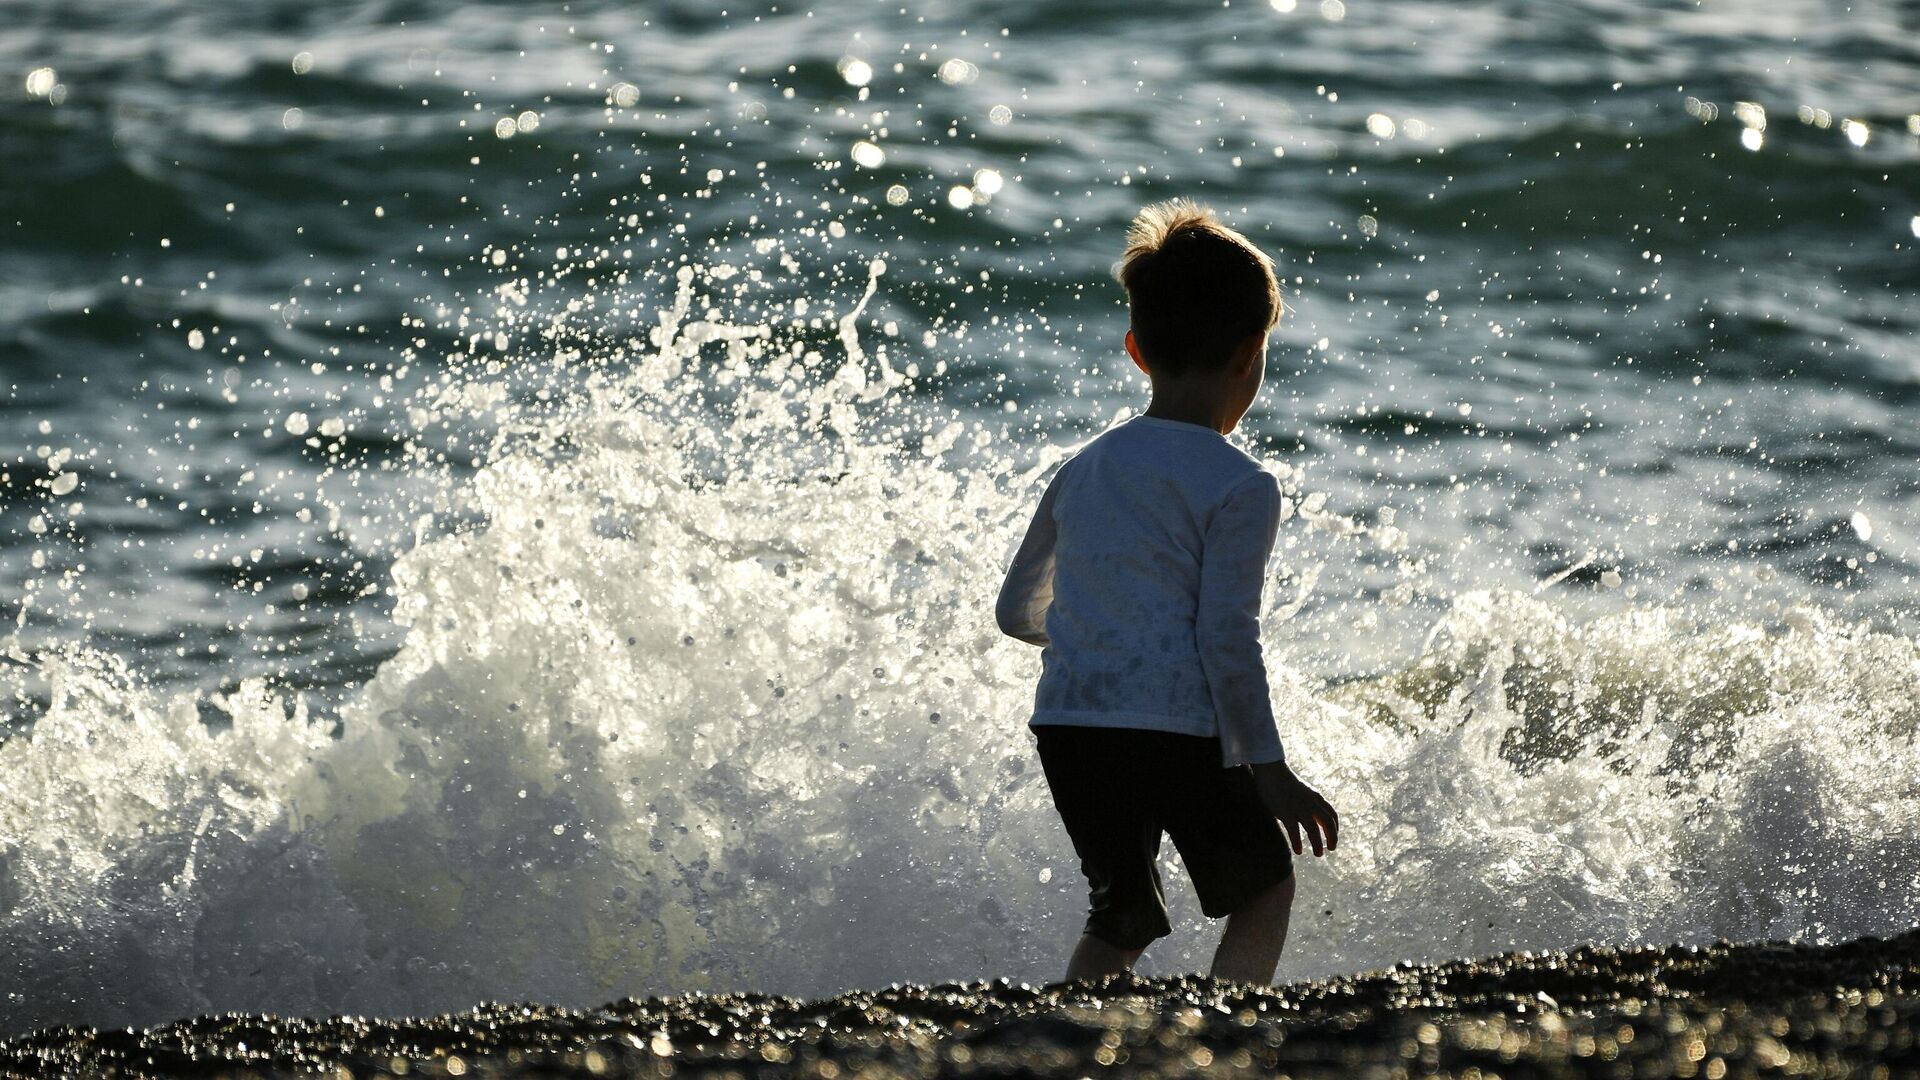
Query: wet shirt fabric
{"type": "Point", "coordinates": [1141, 576]}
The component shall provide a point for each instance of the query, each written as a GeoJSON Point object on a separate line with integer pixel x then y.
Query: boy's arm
{"type": "Point", "coordinates": [1028, 590]}
{"type": "Point", "coordinates": [1233, 572]}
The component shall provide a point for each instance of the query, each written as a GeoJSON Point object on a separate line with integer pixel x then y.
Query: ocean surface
{"type": "Point", "coordinates": [504, 500]}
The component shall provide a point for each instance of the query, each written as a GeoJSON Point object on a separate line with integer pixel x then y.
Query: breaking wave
{"type": "Point", "coordinates": [700, 690]}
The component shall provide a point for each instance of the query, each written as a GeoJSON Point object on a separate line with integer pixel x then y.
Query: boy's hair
{"type": "Point", "coordinates": [1195, 288]}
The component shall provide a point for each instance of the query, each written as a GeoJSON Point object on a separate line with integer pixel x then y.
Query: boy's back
{"type": "Point", "coordinates": [1142, 576]}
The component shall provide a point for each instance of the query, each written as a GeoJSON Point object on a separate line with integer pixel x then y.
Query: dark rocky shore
{"type": "Point", "coordinates": [1724, 1010]}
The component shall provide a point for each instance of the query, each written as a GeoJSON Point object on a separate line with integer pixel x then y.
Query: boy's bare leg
{"type": "Point", "coordinates": [1250, 946]}
{"type": "Point", "coordinates": [1093, 958]}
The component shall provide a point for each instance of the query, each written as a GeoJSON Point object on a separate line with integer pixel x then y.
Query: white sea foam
{"type": "Point", "coordinates": [720, 704]}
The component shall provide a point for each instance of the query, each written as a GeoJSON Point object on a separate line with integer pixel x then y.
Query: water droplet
{"type": "Point", "coordinates": [957, 71]}
{"type": "Point", "coordinates": [302, 62]}
{"type": "Point", "coordinates": [856, 72]}
{"type": "Point", "coordinates": [960, 197]}
{"type": "Point", "coordinates": [868, 155]}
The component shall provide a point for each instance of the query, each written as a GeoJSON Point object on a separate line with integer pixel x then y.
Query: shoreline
{"type": "Point", "coordinates": [1681, 1011]}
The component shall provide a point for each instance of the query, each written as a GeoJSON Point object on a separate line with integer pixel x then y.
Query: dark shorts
{"type": "Point", "coordinates": [1118, 789]}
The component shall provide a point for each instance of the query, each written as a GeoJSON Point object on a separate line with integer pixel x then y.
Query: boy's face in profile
{"type": "Point", "coordinates": [1244, 384]}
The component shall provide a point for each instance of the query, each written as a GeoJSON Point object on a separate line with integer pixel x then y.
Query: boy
{"type": "Point", "coordinates": [1141, 576]}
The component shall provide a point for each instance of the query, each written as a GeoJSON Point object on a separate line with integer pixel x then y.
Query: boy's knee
{"type": "Point", "coordinates": [1274, 900]}
{"type": "Point", "coordinates": [1285, 888]}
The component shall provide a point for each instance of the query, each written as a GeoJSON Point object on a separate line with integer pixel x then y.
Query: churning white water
{"type": "Point", "coordinates": [705, 692]}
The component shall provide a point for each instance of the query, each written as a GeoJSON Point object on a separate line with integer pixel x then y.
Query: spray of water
{"type": "Point", "coordinates": [703, 692]}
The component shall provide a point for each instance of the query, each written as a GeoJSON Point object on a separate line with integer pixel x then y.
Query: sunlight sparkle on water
{"type": "Point", "coordinates": [957, 71]}
{"type": "Point", "coordinates": [960, 197]}
{"type": "Point", "coordinates": [1380, 126]}
{"type": "Point", "coordinates": [868, 155]}
{"type": "Point", "coordinates": [987, 181]}
{"type": "Point", "coordinates": [1856, 131]}
{"type": "Point", "coordinates": [856, 72]}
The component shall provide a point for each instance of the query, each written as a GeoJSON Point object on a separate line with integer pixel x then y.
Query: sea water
{"type": "Point", "coordinates": [505, 502]}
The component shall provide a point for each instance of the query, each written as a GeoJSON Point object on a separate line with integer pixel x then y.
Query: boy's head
{"type": "Point", "coordinates": [1197, 290]}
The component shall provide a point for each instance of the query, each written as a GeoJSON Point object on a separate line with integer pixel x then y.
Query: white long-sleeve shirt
{"type": "Point", "coordinates": [1141, 575]}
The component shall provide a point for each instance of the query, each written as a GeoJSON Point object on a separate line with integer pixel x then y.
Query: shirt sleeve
{"type": "Point", "coordinates": [1233, 571]}
{"type": "Point", "coordinates": [1028, 590]}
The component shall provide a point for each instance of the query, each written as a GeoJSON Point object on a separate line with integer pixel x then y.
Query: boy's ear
{"type": "Point", "coordinates": [1247, 353]}
{"type": "Point", "coordinates": [1133, 350]}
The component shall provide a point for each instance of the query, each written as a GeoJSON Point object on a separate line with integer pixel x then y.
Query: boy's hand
{"type": "Point", "coordinates": [1298, 806]}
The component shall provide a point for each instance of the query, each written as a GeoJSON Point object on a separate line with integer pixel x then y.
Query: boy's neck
{"type": "Point", "coordinates": [1192, 401]}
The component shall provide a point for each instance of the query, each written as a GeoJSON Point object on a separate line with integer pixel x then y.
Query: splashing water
{"type": "Point", "coordinates": [702, 692]}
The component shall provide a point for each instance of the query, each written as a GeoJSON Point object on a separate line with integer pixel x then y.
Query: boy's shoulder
{"type": "Point", "coordinates": [1198, 454]}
